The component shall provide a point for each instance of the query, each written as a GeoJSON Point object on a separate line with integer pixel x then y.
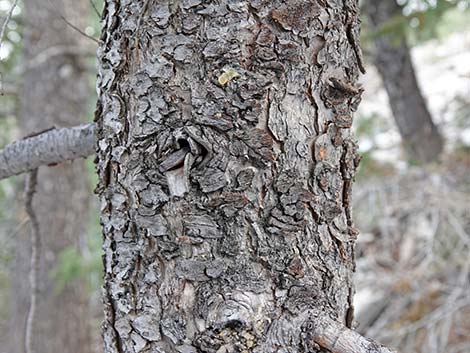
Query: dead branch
{"type": "Point", "coordinates": [93, 5]}
{"type": "Point", "coordinates": [78, 29]}
{"type": "Point", "coordinates": [47, 148]}
{"type": "Point", "coordinates": [34, 265]}
{"type": "Point", "coordinates": [7, 20]}
{"type": "Point", "coordinates": [337, 338]}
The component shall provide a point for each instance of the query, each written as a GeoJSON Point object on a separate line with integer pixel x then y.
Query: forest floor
{"type": "Point", "coordinates": [413, 253]}
{"type": "Point", "coordinates": [413, 261]}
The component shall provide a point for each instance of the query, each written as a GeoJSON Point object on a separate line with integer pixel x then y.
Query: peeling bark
{"type": "Point", "coordinates": [226, 161]}
{"type": "Point", "coordinates": [391, 55]}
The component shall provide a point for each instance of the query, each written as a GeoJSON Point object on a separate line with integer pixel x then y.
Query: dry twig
{"type": "Point", "coordinates": [34, 267]}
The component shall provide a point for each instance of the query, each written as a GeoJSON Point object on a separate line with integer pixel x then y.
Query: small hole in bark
{"type": "Point", "coordinates": [204, 153]}
{"type": "Point", "coordinates": [201, 153]}
{"type": "Point", "coordinates": [183, 143]}
{"type": "Point", "coordinates": [185, 148]}
{"type": "Point", "coordinates": [234, 325]}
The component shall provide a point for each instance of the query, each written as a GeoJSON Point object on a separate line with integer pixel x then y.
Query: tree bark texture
{"type": "Point", "coordinates": [54, 93]}
{"type": "Point", "coordinates": [226, 160]}
{"type": "Point", "coordinates": [391, 55]}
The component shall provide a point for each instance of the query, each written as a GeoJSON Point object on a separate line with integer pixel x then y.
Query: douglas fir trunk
{"type": "Point", "coordinates": [226, 161]}
{"type": "Point", "coordinates": [54, 93]}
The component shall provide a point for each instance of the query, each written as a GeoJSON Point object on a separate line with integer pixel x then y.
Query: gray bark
{"type": "Point", "coordinates": [226, 161]}
{"type": "Point", "coordinates": [54, 93]}
{"type": "Point", "coordinates": [47, 148]}
{"type": "Point", "coordinates": [391, 55]}
{"type": "Point", "coordinates": [338, 339]}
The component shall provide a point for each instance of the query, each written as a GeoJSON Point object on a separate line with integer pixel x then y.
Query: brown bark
{"type": "Point", "coordinates": [226, 161]}
{"type": "Point", "coordinates": [54, 93]}
{"type": "Point", "coordinates": [391, 55]}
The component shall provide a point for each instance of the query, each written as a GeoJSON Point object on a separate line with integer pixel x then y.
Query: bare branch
{"type": "Point", "coordinates": [79, 30]}
{"type": "Point", "coordinates": [337, 338]}
{"type": "Point", "coordinates": [5, 24]}
{"type": "Point", "coordinates": [34, 265]}
{"type": "Point", "coordinates": [48, 148]}
{"type": "Point", "coordinates": [93, 5]}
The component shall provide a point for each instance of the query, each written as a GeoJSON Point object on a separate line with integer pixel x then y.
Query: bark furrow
{"type": "Point", "coordinates": [226, 162]}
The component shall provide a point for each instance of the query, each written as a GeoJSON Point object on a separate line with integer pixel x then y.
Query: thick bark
{"type": "Point", "coordinates": [54, 93]}
{"type": "Point", "coordinates": [226, 162]}
{"type": "Point", "coordinates": [391, 55]}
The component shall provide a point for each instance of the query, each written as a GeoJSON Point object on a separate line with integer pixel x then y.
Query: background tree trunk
{"type": "Point", "coordinates": [391, 55]}
{"type": "Point", "coordinates": [55, 92]}
{"type": "Point", "coordinates": [226, 162]}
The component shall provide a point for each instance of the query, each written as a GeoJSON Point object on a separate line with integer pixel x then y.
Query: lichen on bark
{"type": "Point", "coordinates": [226, 204]}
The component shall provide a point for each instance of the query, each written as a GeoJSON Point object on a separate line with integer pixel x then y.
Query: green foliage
{"type": "Point", "coordinates": [370, 166]}
{"type": "Point", "coordinates": [395, 28]}
{"type": "Point", "coordinates": [423, 25]}
{"type": "Point", "coordinates": [422, 20]}
{"type": "Point", "coordinates": [96, 10]}
{"type": "Point", "coordinates": [73, 265]}
{"type": "Point", "coordinates": [367, 128]}
{"type": "Point", "coordinates": [366, 125]}
{"type": "Point", "coordinates": [12, 47]}
{"type": "Point", "coordinates": [93, 29]}
{"type": "Point", "coordinates": [462, 111]}
{"type": "Point", "coordinates": [7, 232]}
{"type": "Point", "coordinates": [12, 41]}
{"type": "Point", "coordinates": [7, 126]}
{"type": "Point", "coordinates": [91, 172]}
{"type": "Point", "coordinates": [7, 192]}
{"type": "Point", "coordinates": [453, 20]}
{"type": "Point", "coordinates": [12, 44]}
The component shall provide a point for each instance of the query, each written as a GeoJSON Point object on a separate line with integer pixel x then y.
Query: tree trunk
{"type": "Point", "coordinates": [391, 55]}
{"type": "Point", "coordinates": [226, 161]}
{"type": "Point", "coordinates": [55, 93]}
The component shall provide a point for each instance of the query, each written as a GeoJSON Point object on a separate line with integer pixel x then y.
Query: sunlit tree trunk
{"type": "Point", "coordinates": [55, 93]}
{"type": "Point", "coordinates": [226, 161]}
{"type": "Point", "coordinates": [391, 55]}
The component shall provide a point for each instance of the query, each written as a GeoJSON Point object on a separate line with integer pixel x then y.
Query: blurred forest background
{"type": "Point", "coordinates": [412, 193]}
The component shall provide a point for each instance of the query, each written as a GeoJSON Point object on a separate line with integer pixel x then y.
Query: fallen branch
{"type": "Point", "coordinates": [48, 148]}
{"type": "Point", "coordinates": [337, 338]}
